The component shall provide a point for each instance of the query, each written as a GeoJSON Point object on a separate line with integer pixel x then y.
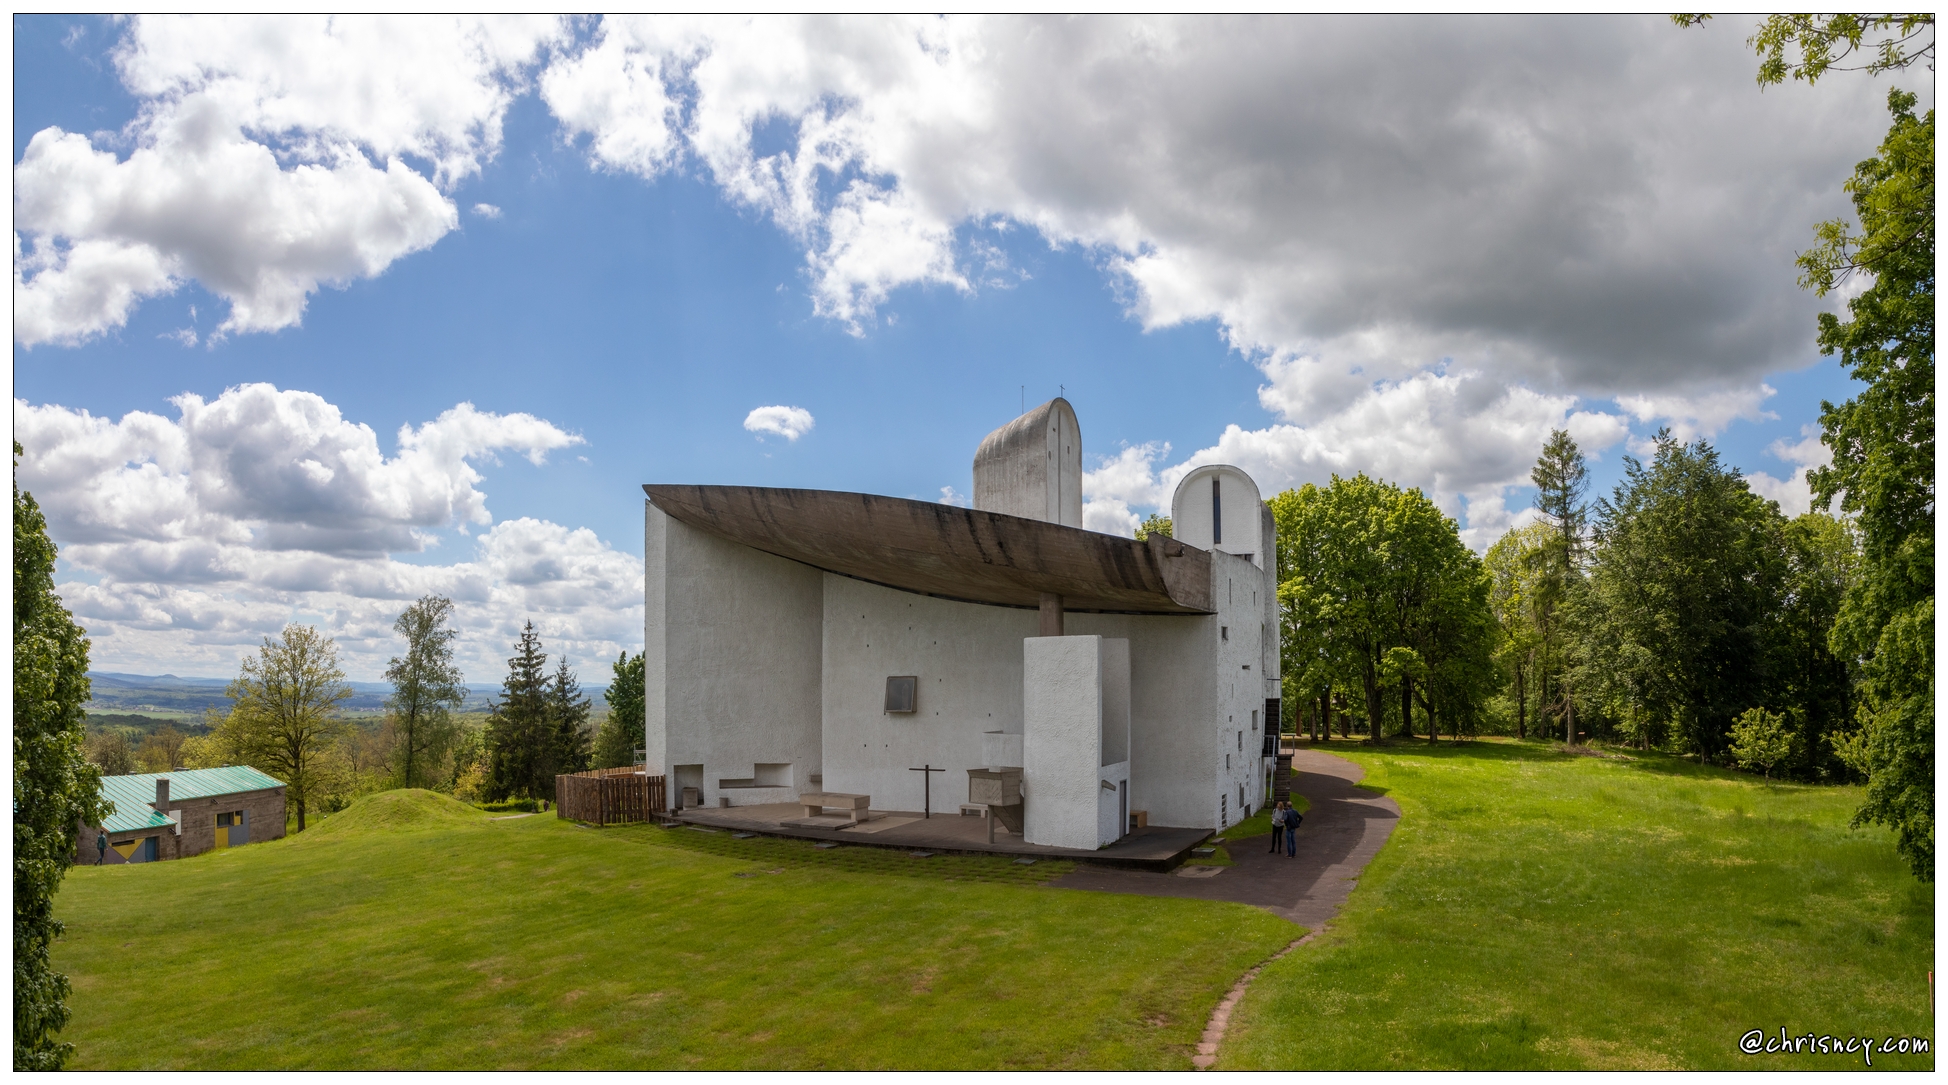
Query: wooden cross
{"type": "Point", "coordinates": [927, 789]}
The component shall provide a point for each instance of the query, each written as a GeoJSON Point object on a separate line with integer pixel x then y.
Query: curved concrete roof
{"type": "Point", "coordinates": [950, 552]}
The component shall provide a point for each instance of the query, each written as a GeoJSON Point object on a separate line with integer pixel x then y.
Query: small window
{"type": "Point", "coordinates": [901, 692]}
{"type": "Point", "coordinates": [1224, 632]}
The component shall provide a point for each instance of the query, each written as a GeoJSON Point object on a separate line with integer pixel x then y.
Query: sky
{"type": "Point", "coordinates": [314, 317]}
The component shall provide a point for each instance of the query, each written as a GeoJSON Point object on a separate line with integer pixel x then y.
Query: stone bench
{"type": "Point", "coordinates": [816, 803]}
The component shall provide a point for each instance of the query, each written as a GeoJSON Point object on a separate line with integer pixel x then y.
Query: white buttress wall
{"type": "Point", "coordinates": [1062, 721]}
{"type": "Point", "coordinates": [731, 670]}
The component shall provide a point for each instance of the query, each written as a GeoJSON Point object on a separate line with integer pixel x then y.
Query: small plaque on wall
{"type": "Point", "coordinates": [901, 692]}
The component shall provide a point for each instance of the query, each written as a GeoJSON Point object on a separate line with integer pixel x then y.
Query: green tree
{"type": "Point", "coordinates": [1561, 479]}
{"type": "Point", "coordinates": [56, 790]}
{"type": "Point", "coordinates": [568, 713]}
{"type": "Point", "coordinates": [1814, 683]}
{"type": "Point", "coordinates": [622, 731]}
{"type": "Point", "coordinates": [1883, 470]}
{"type": "Point", "coordinates": [285, 717]}
{"type": "Point", "coordinates": [162, 750]}
{"type": "Point", "coordinates": [427, 687]}
{"type": "Point", "coordinates": [1514, 566]}
{"type": "Point", "coordinates": [1157, 523]}
{"type": "Point", "coordinates": [518, 738]}
{"type": "Point", "coordinates": [1760, 740]}
{"type": "Point", "coordinates": [1685, 587]}
{"type": "Point", "coordinates": [1829, 42]}
{"type": "Point", "coordinates": [109, 751]}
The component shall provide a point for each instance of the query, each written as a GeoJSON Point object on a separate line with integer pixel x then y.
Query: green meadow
{"type": "Point", "coordinates": [411, 932]}
{"type": "Point", "coordinates": [1533, 910]}
{"type": "Point", "coordinates": [1543, 910]}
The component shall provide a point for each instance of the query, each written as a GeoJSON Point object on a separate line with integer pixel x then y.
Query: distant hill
{"type": "Point", "coordinates": [170, 695]}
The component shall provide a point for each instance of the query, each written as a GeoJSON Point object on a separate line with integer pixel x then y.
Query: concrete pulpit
{"type": "Point", "coordinates": [998, 789]}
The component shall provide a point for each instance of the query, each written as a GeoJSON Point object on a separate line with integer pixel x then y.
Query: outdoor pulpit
{"type": "Point", "coordinates": [999, 790]}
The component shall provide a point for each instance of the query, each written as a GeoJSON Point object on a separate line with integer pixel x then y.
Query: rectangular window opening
{"type": "Point", "coordinates": [902, 693]}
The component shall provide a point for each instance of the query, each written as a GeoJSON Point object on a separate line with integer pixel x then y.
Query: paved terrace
{"type": "Point", "coordinates": [1153, 848]}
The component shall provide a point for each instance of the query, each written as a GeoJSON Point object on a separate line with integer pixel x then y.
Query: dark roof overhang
{"type": "Point", "coordinates": [950, 552]}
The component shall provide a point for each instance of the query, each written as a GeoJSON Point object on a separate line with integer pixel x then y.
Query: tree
{"type": "Point", "coordinates": [1760, 740]}
{"type": "Point", "coordinates": [1157, 523]}
{"type": "Point", "coordinates": [568, 720]}
{"type": "Point", "coordinates": [284, 713]}
{"type": "Point", "coordinates": [1561, 479]}
{"type": "Point", "coordinates": [426, 686]}
{"type": "Point", "coordinates": [1825, 41]}
{"type": "Point", "coordinates": [162, 750]}
{"type": "Point", "coordinates": [1514, 566]}
{"type": "Point", "coordinates": [1815, 684]}
{"type": "Point", "coordinates": [56, 790]}
{"type": "Point", "coordinates": [1883, 470]}
{"type": "Point", "coordinates": [622, 731]}
{"type": "Point", "coordinates": [1685, 590]}
{"type": "Point", "coordinates": [518, 739]}
{"type": "Point", "coordinates": [109, 751]}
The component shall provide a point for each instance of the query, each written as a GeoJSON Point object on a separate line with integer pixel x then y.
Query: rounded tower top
{"type": "Point", "coordinates": [1032, 467]}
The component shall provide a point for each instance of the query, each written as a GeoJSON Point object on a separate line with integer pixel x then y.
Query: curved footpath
{"type": "Point", "coordinates": [1343, 831]}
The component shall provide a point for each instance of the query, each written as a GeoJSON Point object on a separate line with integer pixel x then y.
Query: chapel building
{"type": "Point", "coordinates": [820, 641]}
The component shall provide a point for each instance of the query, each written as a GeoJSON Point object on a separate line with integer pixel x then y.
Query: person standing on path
{"type": "Point", "coordinates": [101, 847]}
{"type": "Point", "coordinates": [1292, 820]}
{"type": "Point", "coordinates": [1278, 826]}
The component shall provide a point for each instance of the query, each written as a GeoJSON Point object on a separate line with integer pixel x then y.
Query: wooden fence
{"type": "Point", "coordinates": [610, 796]}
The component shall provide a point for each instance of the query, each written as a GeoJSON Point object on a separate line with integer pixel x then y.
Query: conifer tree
{"type": "Point", "coordinates": [568, 721]}
{"type": "Point", "coordinates": [520, 745]}
{"type": "Point", "coordinates": [1561, 479]}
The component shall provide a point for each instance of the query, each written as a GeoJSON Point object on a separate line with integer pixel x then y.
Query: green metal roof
{"type": "Point", "coordinates": [132, 795]}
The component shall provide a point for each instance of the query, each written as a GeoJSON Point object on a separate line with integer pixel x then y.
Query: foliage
{"type": "Point", "coordinates": [285, 716]}
{"type": "Point", "coordinates": [1515, 565]}
{"type": "Point", "coordinates": [437, 939]}
{"type": "Point", "coordinates": [622, 730]}
{"type": "Point", "coordinates": [1379, 591]}
{"type": "Point", "coordinates": [1826, 41]}
{"type": "Point", "coordinates": [1680, 906]}
{"type": "Point", "coordinates": [55, 788]}
{"type": "Point", "coordinates": [1561, 479]}
{"type": "Point", "coordinates": [162, 750]}
{"type": "Point", "coordinates": [1157, 523]}
{"type": "Point", "coordinates": [109, 751]}
{"type": "Point", "coordinates": [1687, 581]}
{"type": "Point", "coordinates": [426, 686]}
{"type": "Point", "coordinates": [568, 711]}
{"type": "Point", "coordinates": [1883, 470]}
{"type": "Point", "coordinates": [519, 739]}
{"type": "Point", "coordinates": [1760, 740]}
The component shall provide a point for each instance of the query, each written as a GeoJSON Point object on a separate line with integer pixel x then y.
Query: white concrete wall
{"type": "Point", "coordinates": [968, 659]}
{"type": "Point", "coordinates": [1111, 824]}
{"type": "Point", "coordinates": [732, 662]}
{"type": "Point", "coordinates": [1239, 589]}
{"type": "Point", "coordinates": [1173, 670]}
{"type": "Point", "coordinates": [1032, 466]}
{"type": "Point", "coordinates": [1062, 707]}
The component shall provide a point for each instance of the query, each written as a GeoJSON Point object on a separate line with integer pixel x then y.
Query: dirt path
{"type": "Point", "coordinates": [1343, 830]}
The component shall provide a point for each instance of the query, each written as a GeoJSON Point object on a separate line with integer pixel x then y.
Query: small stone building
{"type": "Point", "coordinates": [174, 815]}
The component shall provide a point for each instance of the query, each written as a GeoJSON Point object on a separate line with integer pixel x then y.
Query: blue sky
{"type": "Point", "coordinates": [638, 305]}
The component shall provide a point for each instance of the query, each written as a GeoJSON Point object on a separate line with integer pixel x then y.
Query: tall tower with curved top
{"type": "Point", "coordinates": [1032, 467]}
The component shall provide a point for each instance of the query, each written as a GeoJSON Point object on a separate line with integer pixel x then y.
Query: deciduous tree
{"type": "Point", "coordinates": [622, 732]}
{"type": "Point", "coordinates": [426, 687]}
{"type": "Point", "coordinates": [285, 717]}
{"type": "Point", "coordinates": [56, 790]}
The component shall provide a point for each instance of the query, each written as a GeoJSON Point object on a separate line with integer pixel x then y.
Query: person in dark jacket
{"type": "Point", "coordinates": [101, 848]}
{"type": "Point", "coordinates": [1292, 820]}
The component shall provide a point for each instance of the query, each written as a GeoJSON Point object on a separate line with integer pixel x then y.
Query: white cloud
{"type": "Point", "coordinates": [270, 156]}
{"type": "Point", "coordinates": [487, 210]}
{"type": "Point", "coordinates": [791, 423]}
{"type": "Point", "coordinates": [948, 496]}
{"type": "Point", "coordinates": [1700, 414]}
{"type": "Point", "coordinates": [1119, 482]}
{"type": "Point", "coordinates": [1793, 493]}
{"type": "Point", "coordinates": [203, 533]}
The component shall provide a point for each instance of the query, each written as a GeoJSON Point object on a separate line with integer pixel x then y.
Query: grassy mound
{"type": "Point", "coordinates": [405, 810]}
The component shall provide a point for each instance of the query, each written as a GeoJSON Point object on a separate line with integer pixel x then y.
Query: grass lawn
{"type": "Point", "coordinates": [1543, 910]}
{"type": "Point", "coordinates": [411, 932]}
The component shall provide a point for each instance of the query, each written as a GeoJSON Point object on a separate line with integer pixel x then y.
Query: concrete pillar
{"type": "Point", "coordinates": [1051, 615]}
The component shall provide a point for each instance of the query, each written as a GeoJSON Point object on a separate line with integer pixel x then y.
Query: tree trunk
{"type": "Point", "coordinates": [1521, 702]}
{"type": "Point", "coordinates": [1406, 706]}
{"type": "Point", "coordinates": [1375, 724]}
{"type": "Point", "coordinates": [1568, 715]}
